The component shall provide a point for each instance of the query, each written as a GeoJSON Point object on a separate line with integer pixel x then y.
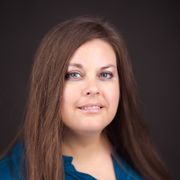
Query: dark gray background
{"type": "Point", "coordinates": [151, 30]}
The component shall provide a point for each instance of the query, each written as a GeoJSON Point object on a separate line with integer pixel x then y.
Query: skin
{"type": "Point", "coordinates": [90, 100]}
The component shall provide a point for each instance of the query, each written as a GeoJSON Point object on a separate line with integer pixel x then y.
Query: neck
{"type": "Point", "coordinates": [79, 146]}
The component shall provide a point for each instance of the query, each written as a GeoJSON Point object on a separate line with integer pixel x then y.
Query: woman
{"type": "Point", "coordinates": [82, 120]}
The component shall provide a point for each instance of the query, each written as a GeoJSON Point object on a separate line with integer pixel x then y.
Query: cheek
{"type": "Point", "coordinates": [69, 101]}
{"type": "Point", "coordinates": [113, 98]}
{"type": "Point", "coordinates": [113, 94]}
{"type": "Point", "coordinates": [65, 106]}
{"type": "Point", "coordinates": [70, 95]}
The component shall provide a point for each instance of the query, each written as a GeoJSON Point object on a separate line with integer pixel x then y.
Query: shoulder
{"type": "Point", "coordinates": [125, 170]}
{"type": "Point", "coordinates": [12, 164]}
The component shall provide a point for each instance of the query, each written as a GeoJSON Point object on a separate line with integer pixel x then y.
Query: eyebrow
{"type": "Point", "coordinates": [103, 67]}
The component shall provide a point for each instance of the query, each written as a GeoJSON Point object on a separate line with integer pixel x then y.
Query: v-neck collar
{"type": "Point", "coordinates": [68, 166]}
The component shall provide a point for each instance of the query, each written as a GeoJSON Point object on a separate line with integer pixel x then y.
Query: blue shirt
{"type": "Point", "coordinates": [11, 167]}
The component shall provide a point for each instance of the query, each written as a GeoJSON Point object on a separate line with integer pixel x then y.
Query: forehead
{"type": "Point", "coordinates": [96, 51]}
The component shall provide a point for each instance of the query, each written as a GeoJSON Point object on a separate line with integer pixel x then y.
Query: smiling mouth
{"type": "Point", "coordinates": [91, 109]}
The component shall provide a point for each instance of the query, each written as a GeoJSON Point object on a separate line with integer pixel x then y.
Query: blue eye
{"type": "Point", "coordinates": [72, 75]}
{"type": "Point", "coordinates": [106, 75]}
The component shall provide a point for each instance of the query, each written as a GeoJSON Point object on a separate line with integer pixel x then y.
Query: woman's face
{"type": "Point", "coordinates": [91, 92]}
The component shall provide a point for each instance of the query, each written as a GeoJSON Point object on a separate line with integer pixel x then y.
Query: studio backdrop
{"type": "Point", "coordinates": [151, 32]}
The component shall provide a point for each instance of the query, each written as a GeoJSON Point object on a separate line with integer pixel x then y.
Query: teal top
{"type": "Point", "coordinates": [11, 167]}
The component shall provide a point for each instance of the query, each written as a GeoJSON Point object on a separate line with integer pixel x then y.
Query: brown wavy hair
{"type": "Point", "coordinates": [43, 127]}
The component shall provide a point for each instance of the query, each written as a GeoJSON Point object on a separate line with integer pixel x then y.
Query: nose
{"type": "Point", "coordinates": [91, 88]}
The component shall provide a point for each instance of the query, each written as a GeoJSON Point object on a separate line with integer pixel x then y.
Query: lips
{"type": "Point", "coordinates": [91, 108]}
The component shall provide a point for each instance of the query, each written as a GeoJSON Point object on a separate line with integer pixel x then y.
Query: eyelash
{"type": "Point", "coordinates": [71, 75]}
{"type": "Point", "coordinates": [110, 74]}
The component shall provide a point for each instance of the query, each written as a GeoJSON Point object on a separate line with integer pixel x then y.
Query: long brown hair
{"type": "Point", "coordinates": [43, 127]}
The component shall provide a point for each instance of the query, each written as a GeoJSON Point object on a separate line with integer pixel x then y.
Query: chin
{"type": "Point", "coordinates": [90, 130]}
